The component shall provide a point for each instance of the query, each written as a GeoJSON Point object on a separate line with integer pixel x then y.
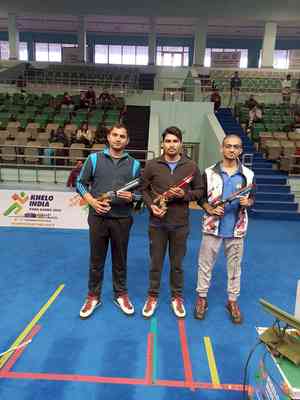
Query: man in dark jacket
{"type": "Point", "coordinates": [235, 87]}
{"type": "Point", "coordinates": [169, 183]}
{"type": "Point", "coordinates": [109, 219]}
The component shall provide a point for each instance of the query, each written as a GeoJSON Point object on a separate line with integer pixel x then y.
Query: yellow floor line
{"type": "Point", "coordinates": [211, 361]}
{"type": "Point", "coordinates": [29, 327]}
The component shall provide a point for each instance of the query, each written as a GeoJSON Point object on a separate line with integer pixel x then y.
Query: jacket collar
{"type": "Point", "coordinates": [183, 159]}
{"type": "Point", "coordinates": [218, 167]}
{"type": "Point", "coordinates": [106, 152]}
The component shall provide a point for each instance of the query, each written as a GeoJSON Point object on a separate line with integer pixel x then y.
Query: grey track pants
{"type": "Point", "coordinates": [208, 253]}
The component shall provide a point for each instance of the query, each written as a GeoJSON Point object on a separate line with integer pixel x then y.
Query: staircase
{"type": "Point", "coordinates": [274, 199]}
{"type": "Point", "coordinates": [137, 121]}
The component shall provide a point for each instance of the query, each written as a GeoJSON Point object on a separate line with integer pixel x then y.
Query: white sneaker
{"type": "Point", "coordinates": [125, 304]}
{"type": "Point", "coordinates": [89, 306]}
{"type": "Point", "coordinates": [149, 307]}
{"type": "Point", "coordinates": [178, 307]}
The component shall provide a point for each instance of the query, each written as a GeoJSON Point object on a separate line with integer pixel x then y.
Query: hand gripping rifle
{"type": "Point", "coordinates": [161, 200]}
{"type": "Point", "coordinates": [235, 195]}
{"type": "Point", "coordinates": [113, 194]}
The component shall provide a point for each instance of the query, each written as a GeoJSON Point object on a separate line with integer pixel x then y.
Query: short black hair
{"type": "Point", "coordinates": [172, 130]}
{"type": "Point", "coordinates": [229, 135]}
{"type": "Point", "coordinates": [118, 126]}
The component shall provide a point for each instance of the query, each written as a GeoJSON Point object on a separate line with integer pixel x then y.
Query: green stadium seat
{"type": "Point", "coordinates": [42, 120]}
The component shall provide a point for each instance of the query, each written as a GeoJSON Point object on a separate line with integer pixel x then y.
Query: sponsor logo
{"type": "Point", "coordinates": [17, 205]}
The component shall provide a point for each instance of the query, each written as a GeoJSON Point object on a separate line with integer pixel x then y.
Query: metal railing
{"type": "Point", "coordinates": [121, 87]}
{"type": "Point", "coordinates": [247, 159]}
{"type": "Point", "coordinates": [290, 164]}
{"type": "Point", "coordinates": [19, 160]}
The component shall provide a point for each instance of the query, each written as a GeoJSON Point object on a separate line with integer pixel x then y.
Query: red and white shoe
{"type": "Point", "coordinates": [124, 304]}
{"type": "Point", "coordinates": [178, 307]}
{"type": "Point", "coordinates": [91, 303]}
{"type": "Point", "coordinates": [149, 307]}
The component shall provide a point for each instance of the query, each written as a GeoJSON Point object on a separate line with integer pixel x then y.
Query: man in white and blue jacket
{"type": "Point", "coordinates": [225, 225]}
{"type": "Point", "coordinates": [109, 220]}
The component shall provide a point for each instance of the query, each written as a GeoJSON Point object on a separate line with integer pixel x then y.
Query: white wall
{"type": "Point", "coordinates": [169, 77]}
{"type": "Point", "coordinates": [196, 120]}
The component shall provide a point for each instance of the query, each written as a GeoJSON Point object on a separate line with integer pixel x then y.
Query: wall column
{"type": "Point", "coordinates": [200, 37]}
{"type": "Point", "coordinates": [268, 48]}
{"type": "Point", "coordinates": [13, 37]}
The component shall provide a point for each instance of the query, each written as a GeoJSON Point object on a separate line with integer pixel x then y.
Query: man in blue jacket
{"type": "Point", "coordinates": [109, 220]}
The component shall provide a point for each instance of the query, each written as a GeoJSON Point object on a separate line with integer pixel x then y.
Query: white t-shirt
{"type": "Point", "coordinates": [286, 84]}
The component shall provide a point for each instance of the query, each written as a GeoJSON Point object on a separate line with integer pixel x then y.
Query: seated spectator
{"type": "Point", "coordinates": [101, 134]}
{"type": "Point", "coordinates": [59, 137]}
{"type": "Point", "coordinates": [113, 101]}
{"type": "Point", "coordinates": [297, 92]}
{"type": "Point", "coordinates": [67, 102]}
{"type": "Point", "coordinates": [251, 102]}
{"type": "Point", "coordinates": [53, 103]}
{"type": "Point", "coordinates": [123, 115]}
{"type": "Point", "coordinates": [286, 85]}
{"type": "Point", "coordinates": [216, 99]}
{"type": "Point", "coordinates": [120, 103]}
{"type": "Point", "coordinates": [74, 174]}
{"type": "Point", "coordinates": [255, 115]}
{"type": "Point", "coordinates": [52, 137]}
{"type": "Point", "coordinates": [83, 103]}
{"type": "Point", "coordinates": [90, 97]}
{"type": "Point", "coordinates": [295, 126]}
{"type": "Point", "coordinates": [84, 135]}
{"type": "Point", "coordinates": [105, 100]}
{"type": "Point", "coordinates": [20, 82]}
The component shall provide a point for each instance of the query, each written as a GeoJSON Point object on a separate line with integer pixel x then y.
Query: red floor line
{"type": "Point", "coordinates": [121, 381]}
{"type": "Point", "coordinates": [17, 353]}
{"type": "Point", "coordinates": [202, 385]}
{"type": "Point", "coordinates": [149, 360]}
{"type": "Point", "coordinates": [185, 355]}
{"type": "Point", "coordinates": [72, 378]}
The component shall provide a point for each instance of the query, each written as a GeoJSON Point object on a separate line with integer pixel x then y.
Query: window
{"type": "Point", "coordinates": [55, 52]}
{"type": "Point", "coordinates": [118, 54]}
{"type": "Point", "coordinates": [142, 55]}
{"type": "Point", "coordinates": [174, 56]}
{"type": "Point", "coordinates": [128, 55]}
{"type": "Point", "coordinates": [115, 54]}
{"type": "Point", "coordinates": [4, 50]}
{"type": "Point", "coordinates": [51, 52]}
{"type": "Point", "coordinates": [207, 58]}
{"type": "Point", "coordinates": [243, 59]}
{"type": "Point", "coordinates": [23, 51]}
{"type": "Point", "coordinates": [101, 54]}
{"type": "Point", "coordinates": [281, 59]}
{"type": "Point", "coordinates": [41, 52]}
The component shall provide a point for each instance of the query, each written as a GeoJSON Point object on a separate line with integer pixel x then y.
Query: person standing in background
{"type": "Point", "coordinates": [235, 87]}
